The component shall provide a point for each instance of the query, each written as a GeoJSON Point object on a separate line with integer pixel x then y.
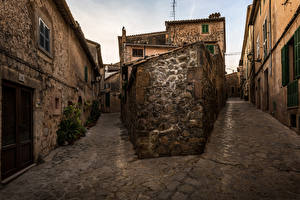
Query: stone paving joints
{"type": "Point", "coordinates": [250, 155]}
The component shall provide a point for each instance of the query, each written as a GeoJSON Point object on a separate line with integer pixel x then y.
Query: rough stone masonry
{"type": "Point", "coordinates": [170, 101]}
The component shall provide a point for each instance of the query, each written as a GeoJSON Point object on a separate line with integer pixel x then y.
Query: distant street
{"type": "Point", "coordinates": [250, 155]}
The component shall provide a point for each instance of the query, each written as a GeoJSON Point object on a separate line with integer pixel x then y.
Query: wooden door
{"type": "Point", "coordinates": [17, 145]}
{"type": "Point", "coordinates": [266, 96]}
{"type": "Point", "coordinates": [258, 94]}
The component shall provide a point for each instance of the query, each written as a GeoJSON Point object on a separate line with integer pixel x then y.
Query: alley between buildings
{"type": "Point", "coordinates": [250, 155]}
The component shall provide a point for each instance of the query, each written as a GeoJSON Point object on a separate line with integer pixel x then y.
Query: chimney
{"type": "Point", "coordinates": [123, 35]}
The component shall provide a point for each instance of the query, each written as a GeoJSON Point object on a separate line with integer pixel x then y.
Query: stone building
{"type": "Point", "coordinates": [95, 49]}
{"type": "Point", "coordinates": [232, 85]}
{"type": "Point", "coordinates": [275, 59]}
{"type": "Point", "coordinates": [170, 101]}
{"type": "Point", "coordinates": [111, 99]}
{"type": "Point", "coordinates": [45, 65]}
{"type": "Point", "coordinates": [210, 30]}
{"type": "Point", "coordinates": [247, 72]}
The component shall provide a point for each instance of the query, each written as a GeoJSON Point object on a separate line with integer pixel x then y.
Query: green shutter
{"type": "Point", "coordinates": [86, 74]}
{"type": "Point", "coordinates": [292, 94]}
{"type": "Point", "coordinates": [205, 28]}
{"type": "Point", "coordinates": [285, 65]}
{"type": "Point", "coordinates": [297, 53]}
{"type": "Point", "coordinates": [211, 48]}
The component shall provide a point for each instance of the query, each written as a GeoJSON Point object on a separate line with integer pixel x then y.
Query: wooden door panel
{"type": "Point", "coordinates": [9, 116]}
{"type": "Point", "coordinates": [9, 165]}
{"type": "Point", "coordinates": [25, 154]}
{"type": "Point", "coordinates": [17, 145]}
{"type": "Point", "coordinates": [24, 114]}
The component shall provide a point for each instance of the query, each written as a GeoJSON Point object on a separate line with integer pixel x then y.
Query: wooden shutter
{"type": "Point", "coordinates": [297, 53]}
{"type": "Point", "coordinates": [285, 65]}
{"type": "Point", "coordinates": [205, 28]}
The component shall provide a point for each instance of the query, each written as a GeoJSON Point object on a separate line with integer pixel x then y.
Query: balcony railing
{"type": "Point", "coordinates": [292, 94]}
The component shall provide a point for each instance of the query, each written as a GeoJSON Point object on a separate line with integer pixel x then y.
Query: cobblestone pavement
{"type": "Point", "coordinates": [250, 155]}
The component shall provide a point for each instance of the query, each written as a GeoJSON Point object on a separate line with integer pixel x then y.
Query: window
{"type": "Point", "coordinates": [293, 121]}
{"type": "Point", "coordinates": [137, 52]}
{"type": "Point", "coordinates": [211, 48]}
{"type": "Point", "coordinates": [86, 74]}
{"type": "Point", "coordinates": [107, 85]}
{"type": "Point", "coordinates": [265, 36]}
{"type": "Point", "coordinates": [290, 63]}
{"type": "Point", "coordinates": [297, 53]}
{"type": "Point", "coordinates": [44, 40]}
{"type": "Point", "coordinates": [56, 103]}
{"type": "Point", "coordinates": [285, 65]}
{"type": "Point", "coordinates": [205, 28]}
{"type": "Point", "coordinates": [257, 47]}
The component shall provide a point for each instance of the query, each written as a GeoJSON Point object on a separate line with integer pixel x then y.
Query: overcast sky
{"type": "Point", "coordinates": [102, 20]}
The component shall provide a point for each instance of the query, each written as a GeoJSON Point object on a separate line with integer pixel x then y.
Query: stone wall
{"type": "Point", "coordinates": [171, 101]}
{"type": "Point", "coordinates": [57, 74]}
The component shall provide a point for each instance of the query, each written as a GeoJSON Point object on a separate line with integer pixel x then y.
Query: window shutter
{"type": "Point", "coordinates": [297, 53]}
{"type": "Point", "coordinates": [86, 74]}
{"type": "Point", "coordinates": [211, 48]}
{"type": "Point", "coordinates": [205, 28]}
{"type": "Point", "coordinates": [285, 65]}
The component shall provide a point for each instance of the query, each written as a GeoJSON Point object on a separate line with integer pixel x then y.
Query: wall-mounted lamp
{"type": "Point", "coordinates": [250, 58]}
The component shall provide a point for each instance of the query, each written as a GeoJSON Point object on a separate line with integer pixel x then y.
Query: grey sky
{"type": "Point", "coordinates": [102, 20]}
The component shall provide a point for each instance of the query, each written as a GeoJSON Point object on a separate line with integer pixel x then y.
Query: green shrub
{"type": "Point", "coordinates": [94, 115]}
{"type": "Point", "coordinates": [70, 128]}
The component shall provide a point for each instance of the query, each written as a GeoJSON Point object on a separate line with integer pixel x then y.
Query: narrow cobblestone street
{"type": "Point", "coordinates": [250, 155]}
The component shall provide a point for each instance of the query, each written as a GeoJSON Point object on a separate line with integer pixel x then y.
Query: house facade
{"type": "Point", "coordinates": [95, 49]}
{"type": "Point", "coordinates": [45, 65]}
{"type": "Point", "coordinates": [210, 30]}
{"type": "Point", "coordinates": [247, 70]}
{"type": "Point", "coordinates": [273, 79]}
{"type": "Point", "coordinates": [111, 99]}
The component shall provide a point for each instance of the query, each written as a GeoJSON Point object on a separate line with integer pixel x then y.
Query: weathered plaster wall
{"type": "Point", "coordinates": [58, 74]}
{"type": "Point", "coordinates": [148, 51]}
{"type": "Point", "coordinates": [171, 102]}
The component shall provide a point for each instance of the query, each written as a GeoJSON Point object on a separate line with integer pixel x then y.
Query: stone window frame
{"type": "Point", "coordinates": [57, 105]}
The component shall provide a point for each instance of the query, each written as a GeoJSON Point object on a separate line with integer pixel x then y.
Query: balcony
{"type": "Point", "coordinates": [292, 94]}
